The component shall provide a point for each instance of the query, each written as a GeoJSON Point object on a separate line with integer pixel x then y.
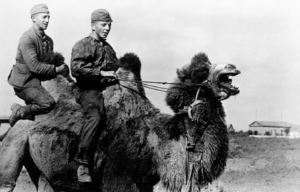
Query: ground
{"type": "Point", "coordinates": [258, 165]}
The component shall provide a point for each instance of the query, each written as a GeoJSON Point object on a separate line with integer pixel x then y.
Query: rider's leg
{"type": "Point", "coordinates": [92, 103]}
{"type": "Point", "coordinates": [38, 101]}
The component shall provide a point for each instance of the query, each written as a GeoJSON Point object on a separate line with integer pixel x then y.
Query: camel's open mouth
{"type": "Point", "coordinates": [225, 82]}
{"type": "Point", "coordinates": [219, 76]}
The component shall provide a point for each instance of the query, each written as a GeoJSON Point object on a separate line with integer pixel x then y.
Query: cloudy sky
{"type": "Point", "coordinates": [262, 38]}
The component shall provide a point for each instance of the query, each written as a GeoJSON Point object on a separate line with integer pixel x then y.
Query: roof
{"type": "Point", "coordinates": [230, 128]}
{"type": "Point", "coordinates": [271, 124]}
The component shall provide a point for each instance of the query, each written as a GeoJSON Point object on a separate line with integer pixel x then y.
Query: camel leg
{"type": "Point", "coordinates": [38, 178]}
{"type": "Point", "coordinates": [33, 171]}
{"type": "Point", "coordinates": [43, 184]}
{"type": "Point", "coordinates": [12, 153]}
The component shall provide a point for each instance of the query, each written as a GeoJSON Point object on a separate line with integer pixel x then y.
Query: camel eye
{"type": "Point", "coordinates": [228, 67]}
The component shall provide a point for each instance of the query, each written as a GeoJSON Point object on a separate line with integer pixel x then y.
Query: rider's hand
{"type": "Point", "coordinates": [63, 70]}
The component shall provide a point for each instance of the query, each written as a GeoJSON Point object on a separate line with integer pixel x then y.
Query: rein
{"type": "Point", "coordinates": [158, 82]}
{"type": "Point", "coordinates": [158, 88]}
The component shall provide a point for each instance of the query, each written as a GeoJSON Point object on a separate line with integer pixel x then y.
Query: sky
{"type": "Point", "coordinates": [262, 38]}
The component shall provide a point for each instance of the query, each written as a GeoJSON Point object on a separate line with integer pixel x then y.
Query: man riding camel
{"type": "Point", "coordinates": [28, 72]}
{"type": "Point", "coordinates": [93, 64]}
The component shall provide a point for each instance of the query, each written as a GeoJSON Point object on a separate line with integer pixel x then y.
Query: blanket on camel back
{"type": "Point", "coordinates": [139, 146]}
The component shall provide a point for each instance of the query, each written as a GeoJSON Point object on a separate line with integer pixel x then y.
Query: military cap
{"type": "Point", "coordinates": [39, 8]}
{"type": "Point", "coordinates": [101, 15]}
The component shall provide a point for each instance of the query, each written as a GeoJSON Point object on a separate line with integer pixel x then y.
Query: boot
{"type": "Point", "coordinates": [15, 115]}
{"type": "Point", "coordinates": [83, 174]}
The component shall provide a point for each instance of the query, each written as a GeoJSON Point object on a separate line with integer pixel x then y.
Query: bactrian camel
{"type": "Point", "coordinates": [140, 145]}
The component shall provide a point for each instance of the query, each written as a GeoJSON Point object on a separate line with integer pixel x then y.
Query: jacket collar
{"type": "Point", "coordinates": [42, 35]}
{"type": "Point", "coordinates": [92, 36]}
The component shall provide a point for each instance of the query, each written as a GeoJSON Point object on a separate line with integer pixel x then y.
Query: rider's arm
{"type": "Point", "coordinates": [82, 60]}
{"type": "Point", "coordinates": [27, 47]}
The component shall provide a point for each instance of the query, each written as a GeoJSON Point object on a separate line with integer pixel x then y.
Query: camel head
{"type": "Point", "coordinates": [202, 132]}
{"type": "Point", "coordinates": [219, 78]}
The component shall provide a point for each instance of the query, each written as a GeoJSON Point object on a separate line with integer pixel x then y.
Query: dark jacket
{"type": "Point", "coordinates": [89, 57]}
{"type": "Point", "coordinates": [28, 69]}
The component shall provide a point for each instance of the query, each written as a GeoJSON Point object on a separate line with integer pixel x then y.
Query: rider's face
{"type": "Point", "coordinates": [101, 28]}
{"type": "Point", "coordinates": [41, 20]}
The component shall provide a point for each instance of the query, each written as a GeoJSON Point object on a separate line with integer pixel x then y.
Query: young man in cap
{"type": "Point", "coordinates": [27, 73]}
{"type": "Point", "coordinates": [93, 64]}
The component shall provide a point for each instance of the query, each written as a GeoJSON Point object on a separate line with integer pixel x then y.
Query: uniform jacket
{"type": "Point", "coordinates": [28, 69]}
{"type": "Point", "coordinates": [89, 57]}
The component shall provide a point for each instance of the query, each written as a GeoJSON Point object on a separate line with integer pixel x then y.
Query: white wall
{"type": "Point", "coordinates": [294, 134]}
{"type": "Point", "coordinates": [273, 131]}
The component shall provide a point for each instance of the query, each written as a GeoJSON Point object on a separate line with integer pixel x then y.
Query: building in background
{"type": "Point", "coordinates": [295, 132]}
{"type": "Point", "coordinates": [230, 129]}
{"type": "Point", "coordinates": [273, 129]}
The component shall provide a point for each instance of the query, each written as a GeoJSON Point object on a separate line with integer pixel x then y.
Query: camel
{"type": "Point", "coordinates": [140, 145]}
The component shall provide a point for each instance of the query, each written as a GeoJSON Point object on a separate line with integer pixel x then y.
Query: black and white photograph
{"type": "Point", "coordinates": [149, 96]}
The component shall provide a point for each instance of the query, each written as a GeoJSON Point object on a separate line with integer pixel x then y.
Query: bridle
{"type": "Point", "coordinates": [190, 163]}
{"type": "Point", "coordinates": [198, 101]}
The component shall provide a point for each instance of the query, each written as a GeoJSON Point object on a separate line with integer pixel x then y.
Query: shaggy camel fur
{"type": "Point", "coordinates": [140, 145]}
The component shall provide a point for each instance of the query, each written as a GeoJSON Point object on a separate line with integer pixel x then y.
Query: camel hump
{"type": "Point", "coordinates": [131, 62]}
{"type": "Point", "coordinates": [66, 108]}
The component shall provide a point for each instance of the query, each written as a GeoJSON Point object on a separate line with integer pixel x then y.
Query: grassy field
{"type": "Point", "coordinates": [255, 165]}
{"type": "Point", "coordinates": [261, 165]}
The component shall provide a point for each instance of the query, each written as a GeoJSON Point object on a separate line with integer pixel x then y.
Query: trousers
{"type": "Point", "coordinates": [38, 101]}
{"type": "Point", "coordinates": [92, 103]}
